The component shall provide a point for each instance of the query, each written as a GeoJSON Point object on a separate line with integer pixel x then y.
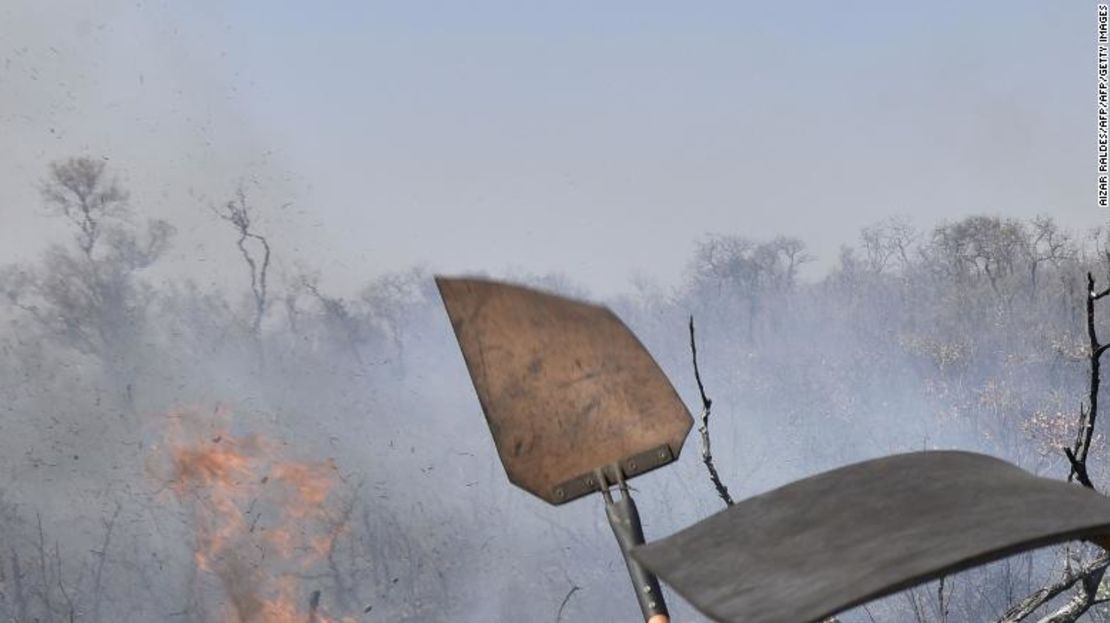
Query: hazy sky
{"type": "Point", "coordinates": [600, 140]}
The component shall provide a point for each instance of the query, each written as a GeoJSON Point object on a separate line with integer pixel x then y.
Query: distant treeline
{"type": "Point", "coordinates": [970, 334]}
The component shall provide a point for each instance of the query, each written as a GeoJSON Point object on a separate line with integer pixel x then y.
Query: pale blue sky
{"type": "Point", "coordinates": [600, 140]}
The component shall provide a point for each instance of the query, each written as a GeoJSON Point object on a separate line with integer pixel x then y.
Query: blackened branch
{"type": "Point", "coordinates": [706, 403]}
{"type": "Point", "coordinates": [1035, 600]}
{"type": "Point", "coordinates": [1077, 455]}
{"type": "Point", "coordinates": [706, 406]}
{"type": "Point", "coordinates": [1090, 577]}
{"type": "Point", "coordinates": [1078, 469]}
{"type": "Point", "coordinates": [574, 588]}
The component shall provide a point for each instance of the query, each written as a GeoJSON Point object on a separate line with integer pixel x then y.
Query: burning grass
{"type": "Point", "coordinates": [264, 525]}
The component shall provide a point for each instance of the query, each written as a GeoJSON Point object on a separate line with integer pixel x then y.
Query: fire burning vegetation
{"type": "Point", "coordinates": [974, 335]}
{"type": "Point", "coordinates": [263, 524]}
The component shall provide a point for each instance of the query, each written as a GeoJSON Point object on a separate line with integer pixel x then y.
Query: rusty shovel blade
{"type": "Point", "coordinates": [565, 386]}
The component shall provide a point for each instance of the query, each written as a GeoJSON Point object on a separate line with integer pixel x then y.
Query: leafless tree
{"type": "Point", "coordinates": [1047, 245]}
{"type": "Point", "coordinates": [254, 248]}
{"type": "Point", "coordinates": [43, 586]}
{"type": "Point", "coordinates": [90, 300]}
{"type": "Point", "coordinates": [79, 190]}
{"type": "Point", "coordinates": [888, 240]}
{"type": "Point", "coordinates": [345, 329]}
{"type": "Point", "coordinates": [391, 301]}
{"type": "Point", "coordinates": [737, 267]}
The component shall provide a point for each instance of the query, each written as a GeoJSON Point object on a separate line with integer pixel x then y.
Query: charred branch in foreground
{"type": "Point", "coordinates": [1090, 576]}
{"type": "Point", "coordinates": [1079, 469]}
{"type": "Point", "coordinates": [1081, 602]}
{"type": "Point", "coordinates": [1031, 603]}
{"type": "Point", "coordinates": [1078, 454]}
{"type": "Point", "coordinates": [703, 428]}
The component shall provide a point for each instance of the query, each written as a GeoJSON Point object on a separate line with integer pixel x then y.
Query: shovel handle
{"type": "Point", "coordinates": [625, 521]}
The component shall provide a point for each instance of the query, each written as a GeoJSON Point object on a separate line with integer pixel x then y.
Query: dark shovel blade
{"type": "Point", "coordinates": [565, 386]}
{"type": "Point", "coordinates": [824, 544]}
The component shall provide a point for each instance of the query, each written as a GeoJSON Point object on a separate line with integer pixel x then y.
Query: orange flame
{"type": "Point", "coordinates": [260, 522]}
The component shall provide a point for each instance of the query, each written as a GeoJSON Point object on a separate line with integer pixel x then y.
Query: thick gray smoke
{"type": "Point", "coordinates": [229, 392]}
{"type": "Point", "coordinates": [174, 453]}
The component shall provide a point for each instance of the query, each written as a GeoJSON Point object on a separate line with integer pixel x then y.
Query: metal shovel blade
{"type": "Point", "coordinates": [822, 545]}
{"type": "Point", "coordinates": [565, 386]}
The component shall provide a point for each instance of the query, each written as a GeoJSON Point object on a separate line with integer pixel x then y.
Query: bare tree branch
{"type": "Point", "coordinates": [237, 212]}
{"type": "Point", "coordinates": [1081, 602]}
{"type": "Point", "coordinates": [574, 588]}
{"type": "Point", "coordinates": [78, 190]}
{"type": "Point", "coordinates": [1079, 469]}
{"type": "Point", "coordinates": [1078, 455]}
{"type": "Point", "coordinates": [1091, 575]}
{"type": "Point", "coordinates": [706, 405]}
{"type": "Point", "coordinates": [102, 557]}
